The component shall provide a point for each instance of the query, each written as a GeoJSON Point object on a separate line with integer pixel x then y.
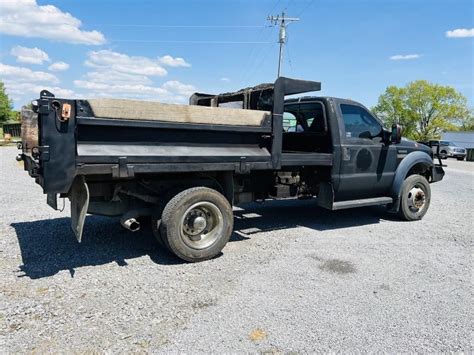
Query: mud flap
{"type": "Point", "coordinates": [326, 195]}
{"type": "Point", "coordinates": [79, 197]}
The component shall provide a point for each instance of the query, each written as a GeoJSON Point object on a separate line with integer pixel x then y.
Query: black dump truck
{"type": "Point", "coordinates": [185, 166]}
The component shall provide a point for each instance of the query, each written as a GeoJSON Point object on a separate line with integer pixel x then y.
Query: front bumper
{"type": "Point", "coordinates": [457, 154]}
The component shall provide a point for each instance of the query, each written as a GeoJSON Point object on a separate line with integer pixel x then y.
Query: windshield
{"type": "Point", "coordinates": [451, 144]}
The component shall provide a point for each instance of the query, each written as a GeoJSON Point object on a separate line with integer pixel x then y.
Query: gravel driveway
{"type": "Point", "coordinates": [294, 278]}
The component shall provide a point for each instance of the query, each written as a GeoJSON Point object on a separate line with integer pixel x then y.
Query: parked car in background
{"type": "Point", "coordinates": [448, 149]}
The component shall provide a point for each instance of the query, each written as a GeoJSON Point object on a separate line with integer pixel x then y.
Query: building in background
{"type": "Point", "coordinates": [461, 139]}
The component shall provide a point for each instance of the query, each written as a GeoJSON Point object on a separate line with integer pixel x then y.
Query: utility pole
{"type": "Point", "coordinates": [283, 22]}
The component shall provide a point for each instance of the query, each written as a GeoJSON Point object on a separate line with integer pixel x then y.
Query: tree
{"type": "Point", "coordinates": [468, 123]}
{"type": "Point", "coordinates": [6, 106]}
{"type": "Point", "coordinates": [424, 109]}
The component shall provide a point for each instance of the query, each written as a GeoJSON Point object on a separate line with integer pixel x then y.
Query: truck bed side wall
{"type": "Point", "coordinates": [121, 148]}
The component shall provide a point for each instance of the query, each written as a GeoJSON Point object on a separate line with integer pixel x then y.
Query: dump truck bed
{"type": "Point", "coordinates": [122, 138]}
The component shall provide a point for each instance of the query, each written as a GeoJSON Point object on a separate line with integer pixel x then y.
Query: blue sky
{"type": "Point", "coordinates": [165, 50]}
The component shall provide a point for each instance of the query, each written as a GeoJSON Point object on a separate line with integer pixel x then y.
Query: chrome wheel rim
{"type": "Point", "coordinates": [201, 225]}
{"type": "Point", "coordinates": [416, 199]}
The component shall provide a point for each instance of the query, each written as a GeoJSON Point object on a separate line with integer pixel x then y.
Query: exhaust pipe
{"type": "Point", "coordinates": [131, 224]}
{"type": "Point", "coordinates": [129, 219]}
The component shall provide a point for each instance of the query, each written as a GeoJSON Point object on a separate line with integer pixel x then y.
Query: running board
{"type": "Point", "coordinates": [341, 205]}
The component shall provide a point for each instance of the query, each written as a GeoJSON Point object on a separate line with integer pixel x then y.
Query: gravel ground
{"type": "Point", "coordinates": [294, 278]}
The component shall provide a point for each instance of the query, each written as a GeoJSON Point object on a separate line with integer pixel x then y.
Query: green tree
{"type": "Point", "coordinates": [6, 106]}
{"type": "Point", "coordinates": [424, 109]}
{"type": "Point", "coordinates": [468, 123]}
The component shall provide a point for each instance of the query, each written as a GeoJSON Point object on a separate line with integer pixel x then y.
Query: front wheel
{"type": "Point", "coordinates": [415, 198]}
{"type": "Point", "coordinates": [197, 223]}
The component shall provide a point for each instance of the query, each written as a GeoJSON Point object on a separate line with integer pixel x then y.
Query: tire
{"type": "Point", "coordinates": [155, 226]}
{"type": "Point", "coordinates": [196, 224]}
{"type": "Point", "coordinates": [443, 155]}
{"type": "Point", "coordinates": [415, 198]}
{"type": "Point", "coordinates": [156, 215]}
{"type": "Point", "coordinates": [460, 158]}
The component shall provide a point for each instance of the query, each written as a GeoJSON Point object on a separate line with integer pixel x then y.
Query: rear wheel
{"type": "Point", "coordinates": [415, 198]}
{"type": "Point", "coordinates": [155, 225]}
{"type": "Point", "coordinates": [443, 154]}
{"type": "Point", "coordinates": [460, 158]}
{"type": "Point", "coordinates": [196, 224]}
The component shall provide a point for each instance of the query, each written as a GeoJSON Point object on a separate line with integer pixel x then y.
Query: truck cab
{"type": "Point", "coordinates": [365, 156]}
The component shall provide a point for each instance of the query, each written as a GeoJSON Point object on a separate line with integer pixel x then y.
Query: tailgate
{"type": "Point", "coordinates": [48, 142]}
{"type": "Point", "coordinates": [29, 141]}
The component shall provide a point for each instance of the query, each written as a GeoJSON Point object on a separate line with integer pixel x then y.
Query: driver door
{"type": "Point", "coordinates": [367, 165]}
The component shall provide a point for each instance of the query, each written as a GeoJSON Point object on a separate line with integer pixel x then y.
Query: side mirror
{"type": "Point", "coordinates": [396, 135]}
{"type": "Point", "coordinates": [366, 135]}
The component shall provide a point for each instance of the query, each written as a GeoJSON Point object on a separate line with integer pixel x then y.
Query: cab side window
{"type": "Point", "coordinates": [359, 123]}
{"type": "Point", "coordinates": [305, 117]}
{"type": "Point", "coordinates": [290, 123]}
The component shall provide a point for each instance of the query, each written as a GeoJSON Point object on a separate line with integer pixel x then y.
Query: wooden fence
{"type": "Point", "coordinates": [12, 128]}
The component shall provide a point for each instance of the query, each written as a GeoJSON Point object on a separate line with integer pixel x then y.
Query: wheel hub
{"type": "Point", "coordinates": [195, 222]}
{"type": "Point", "coordinates": [416, 198]}
{"type": "Point", "coordinates": [201, 225]}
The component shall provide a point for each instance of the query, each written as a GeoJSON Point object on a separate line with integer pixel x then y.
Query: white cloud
{"type": "Point", "coordinates": [19, 74]}
{"type": "Point", "coordinates": [405, 56]}
{"type": "Point", "coordinates": [108, 76]}
{"type": "Point", "coordinates": [225, 79]}
{"type": "Point", "coordinates": [107, 59]}
{"type": "Point", "coordinates": [120, 88]}
{"type": "Point", "coordinates": [179, 88]}
{"type": "Point", "coordinates": [26, 18]}
{"type": "Point", "coordinates": [173, 62]}
{"type": "Point", "coordinates": [23, 84]}
{"type": "Point", "coordinates": [171, 91]}
{"type": "Point", "coordinates": [120, 75]}
{"type": "Point", "coordinates": [29, 55]}
{"type": "Point", "coordinates": [32, 90]}
{"type": "Point", "coordinates": [460, 33]}
{"type": "Point", "coordinates": [59, 66]}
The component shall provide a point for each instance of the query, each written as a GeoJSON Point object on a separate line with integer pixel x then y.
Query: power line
{"type": "Point", "coordinates": [260, 57]}
{"type": "Point", "coordinates": [289, 57]}
{"type": "Point", "coordinates": [255, 51]}
{"type": "Point", "coordinates": [252, 56]}
{"type": "Point", "coordinates": [289, 4]}
{"type": "Point", "coordinates": [191, 42]}
{"type": "Point", "coordinates": [306, 7]}
{"type": "Point", "coordinates": [274, 7]}
{"type": "Point", "coordinates": [173, 26]}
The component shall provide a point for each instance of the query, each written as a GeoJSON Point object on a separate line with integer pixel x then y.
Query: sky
{"type": "Point", "coordinates": [165, 50]}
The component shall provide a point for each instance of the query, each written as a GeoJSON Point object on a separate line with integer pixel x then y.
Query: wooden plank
{"type": "Point", "coordinates": [29, 129]}
{"type": "Point", "coordinates": [156, 111]}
